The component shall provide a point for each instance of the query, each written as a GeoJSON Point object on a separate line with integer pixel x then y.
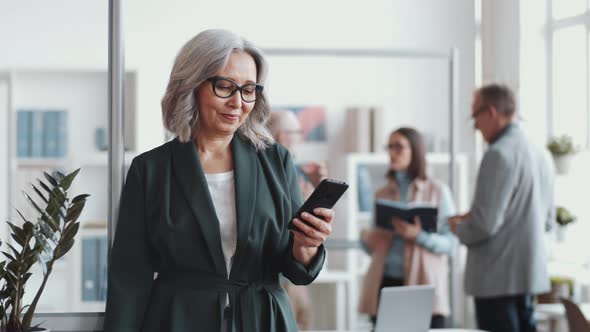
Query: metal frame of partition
{"type": "Point", "coordinates": [452, 58]}
{"type": "Point", "coordinates": [10, 140]}
{"type": "Point", "coordinates": [116, 162]}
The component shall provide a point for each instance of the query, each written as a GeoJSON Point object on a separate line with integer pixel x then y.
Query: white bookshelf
{"type": "Point", "coordinates": [83, 94]}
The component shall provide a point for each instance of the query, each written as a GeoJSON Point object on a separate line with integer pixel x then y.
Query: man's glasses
{"type": "Point", "coordinates": [473, 116]}
{"type": "Point", "coordinates": [224, 87]}
{"type": "Point", "coordinates": [480, 111]}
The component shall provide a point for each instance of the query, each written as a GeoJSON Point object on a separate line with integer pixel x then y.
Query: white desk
{"type": "Point", "coordinates": [340, 279]}
{"type": "Point", "coordinates": [555, 312]}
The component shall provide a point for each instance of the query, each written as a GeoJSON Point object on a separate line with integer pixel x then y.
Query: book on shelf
{"type": "Point", "coordinates": [50, 134]}
{"type": "Point", "coordinates": [23, 132]}
{"type": "Point", "coordinates": [36, 134]}
{"type": "Point", "coordinates": [42, 133]}
{"type": "Point", "coordinates": [386, 210]}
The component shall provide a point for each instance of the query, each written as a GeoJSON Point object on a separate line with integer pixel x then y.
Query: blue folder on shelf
{"type": "Point", "coordinates": [23, 133]}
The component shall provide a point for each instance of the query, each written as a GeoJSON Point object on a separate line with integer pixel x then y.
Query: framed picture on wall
{"type": "Point", "coordinates": [312, 120]}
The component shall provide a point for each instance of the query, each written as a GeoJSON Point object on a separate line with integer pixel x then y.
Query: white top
{"type": "Point", "coordinates": [223, 194]}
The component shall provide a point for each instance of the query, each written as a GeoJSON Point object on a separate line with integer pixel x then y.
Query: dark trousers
{"type": "Point", "coordinates": [436, 322]}
{"type": "Point", "coordinates": [505, 313]}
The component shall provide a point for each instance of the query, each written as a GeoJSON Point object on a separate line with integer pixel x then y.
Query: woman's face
{"type": "Point", "coordinates": [223, 116]}
{"type": "Point", "coordinates": [400, 152]}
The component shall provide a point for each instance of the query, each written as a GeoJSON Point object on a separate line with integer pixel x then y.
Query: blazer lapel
{"type": "Point", "coordinates": [245, 177]}
{"type": "Point", "coordinates": [191, 179]}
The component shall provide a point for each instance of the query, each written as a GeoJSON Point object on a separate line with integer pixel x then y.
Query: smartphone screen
{"type": "Point", "coordinates": [325, 195]}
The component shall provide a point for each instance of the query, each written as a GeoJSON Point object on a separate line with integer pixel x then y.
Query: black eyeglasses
{"type": "Point", "coordinates": [224, 87]}
{"type": "Point", "coordinates": [397, 147]}
{"type": "Point", "coordinates": [475, 114]}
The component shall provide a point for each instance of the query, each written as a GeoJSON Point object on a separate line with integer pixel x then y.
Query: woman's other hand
{"type": "Point", "coordinates": [306, 242]}
{"type": "Point", "coordinates": [407, 230]}
{"type": "Point", "coordinates": [377, 239]}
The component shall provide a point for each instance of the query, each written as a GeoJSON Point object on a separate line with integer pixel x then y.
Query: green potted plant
{"type": "Point", "coordinates": [563, 217]}
{"type": "Point", "coordinates": [562, 148]}
{"type": "Point", "coordinates": [43, 241]}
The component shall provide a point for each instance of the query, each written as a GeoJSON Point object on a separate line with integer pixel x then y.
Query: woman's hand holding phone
{"type": "Point", "coordinates": [313, 231]}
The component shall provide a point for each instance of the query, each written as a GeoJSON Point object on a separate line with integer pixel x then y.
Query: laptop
{"type": "Point", "coordinates": [405, 309]}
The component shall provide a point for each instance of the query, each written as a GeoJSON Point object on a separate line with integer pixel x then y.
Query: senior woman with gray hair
{"type": "Point", "coordinates": [208, 211]}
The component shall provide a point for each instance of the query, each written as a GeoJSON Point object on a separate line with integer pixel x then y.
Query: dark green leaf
{"type": "Point", "coordinates": [67, 182]}
{"type": "Point", "coordinates": [58, 194]}
{"type": "Point", "coordinates": [74, 211]}
{"type": "Point", "coordinates": [32, 253]}
{"type": "Point", "coordinates": [39, 193]}
{"type": "Point", "coordinates": [22, 217]}
{"type": "Point", "coordinates": [18, 240]}
{"type": "Point", "coordinates": [52, 210]}
{"type": "Point", "coordinates": [30, 261]}
{"type": "Point", "coordinates": [17, 233]}
{"type": "Point", "coordinates": [80, 198]}
{"type": "Point", "coordinates": [9, 256]}
{"type": "Point", "coordinates": [28, 227]}
{"type": "Point", "coordinates": [26, 277]}
{"type": "Point", "coordinates": [61, 250]}
{"type": "Point", "coordinates": [12, 266]}
{"type": "Point", "coordinates": [44, 186]}
{"type": "Point", "coordinates": [58, 176]}
{"type": "Point", "coordinates": [14, 251]}
{"type": "Point", "coordinates": [40, 240]}
{"type": "Point", "coordinates": [11, 278]}
{"type": "Point", "coordinates": [47, 232]}
{"type": "Point", "coordinates": [70, 231]}
{"type": "Point", "coordinates": [44, 215]}
{"type": "Point", "coordinates": [46, 218]}
{"type": "Point", "coordinates": [51, 179]}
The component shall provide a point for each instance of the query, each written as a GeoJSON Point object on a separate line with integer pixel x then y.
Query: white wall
{"type": "Point", "coordinates": [73, 34]}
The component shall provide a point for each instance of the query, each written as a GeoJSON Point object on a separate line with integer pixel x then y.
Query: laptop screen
{"type": "Point", "coordinates": [405, 309]}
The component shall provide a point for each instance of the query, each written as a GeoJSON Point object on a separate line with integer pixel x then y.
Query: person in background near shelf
{"type": "Point", "coordinates": [409, 255]}
{"type": "Point", "coordinates": [286, 129]}
{"type": "Point", "coordinates": [503, 230]}
{"type": "Point", "coordinates": [208, 211]}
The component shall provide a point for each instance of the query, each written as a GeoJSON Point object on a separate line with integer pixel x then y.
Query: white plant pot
{"type": "Point", "coordinates": [561, 234]}
{"type": "Point", "coordinates": [563, 163]}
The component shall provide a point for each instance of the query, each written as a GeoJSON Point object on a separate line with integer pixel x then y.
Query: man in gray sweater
{"type": "Point", "coordinates": [511, 209]}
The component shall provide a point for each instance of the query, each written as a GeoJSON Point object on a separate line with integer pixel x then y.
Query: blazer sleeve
{"type": "Point", "coordinates": [131, 272]}
{"type": "Point", "coordinates": [495, 183]}
{"type": "Point", "coordinates": [292, 269]}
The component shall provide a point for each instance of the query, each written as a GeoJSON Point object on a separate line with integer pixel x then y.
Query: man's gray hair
{"type": "Point", "coordinates": [200, 58]}
{"type": "Point", "coordinates": [500, 96]}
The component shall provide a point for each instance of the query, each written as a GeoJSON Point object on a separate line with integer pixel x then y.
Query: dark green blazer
{"type": "Point", "coordinates": [167, 224]}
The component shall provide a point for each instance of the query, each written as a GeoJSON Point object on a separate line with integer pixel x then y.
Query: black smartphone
{"type": "Point", "coordinates": [325, 195]}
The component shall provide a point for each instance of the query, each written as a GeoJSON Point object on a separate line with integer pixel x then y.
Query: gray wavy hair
{"type": "Point", "coordinates": [200, 58]}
